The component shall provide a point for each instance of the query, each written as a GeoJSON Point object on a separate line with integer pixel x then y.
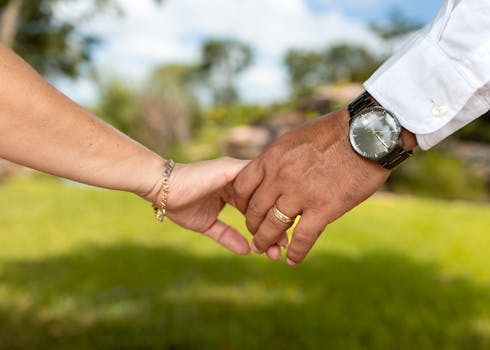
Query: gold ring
{"type": "Point", "coordinates": [281, 216]}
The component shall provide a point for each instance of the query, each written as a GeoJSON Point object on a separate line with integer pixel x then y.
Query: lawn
{"type": "Point", "coordinates": [88, 269]}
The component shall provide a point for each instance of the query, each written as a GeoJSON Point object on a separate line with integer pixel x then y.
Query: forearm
{"type": "Point", "coordinates": [44, 130]}
{"type": "Point", "coordinates": [409, 140]}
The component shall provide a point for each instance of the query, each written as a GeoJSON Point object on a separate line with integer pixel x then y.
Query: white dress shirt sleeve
{"type": "Point", "coordinates": [440, 80]}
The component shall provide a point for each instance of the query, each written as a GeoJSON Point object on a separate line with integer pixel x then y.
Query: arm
{"type": "Point", "coordinates": [436, 84]}
{"type": "Point", "coordinates": [44, 130]}
{"type": "Point", "coordinates": [311, 171]}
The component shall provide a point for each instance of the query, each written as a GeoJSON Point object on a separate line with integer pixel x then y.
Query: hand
{"type": "Point", "coordinates": [311, 171]}
{"type": "Point", "coordinates": [198, 192]}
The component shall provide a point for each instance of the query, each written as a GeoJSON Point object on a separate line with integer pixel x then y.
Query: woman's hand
{"type": "Point", "coordinates": [198, 192]}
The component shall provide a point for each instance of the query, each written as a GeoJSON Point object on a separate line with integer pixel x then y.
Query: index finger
{"type": "Point", "coordinates": [245, 184]}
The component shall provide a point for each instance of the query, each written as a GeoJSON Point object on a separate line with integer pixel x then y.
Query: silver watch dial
{"type": "Point", "coordinates": [374, 133]}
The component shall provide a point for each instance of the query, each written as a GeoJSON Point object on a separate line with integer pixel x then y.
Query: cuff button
{"type": "Point", "coordinates": [439, 109]}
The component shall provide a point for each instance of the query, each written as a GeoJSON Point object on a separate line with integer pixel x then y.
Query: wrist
{"type": "Point", "coordinates": [409, 140]}
{"type": "Point", "coordinates": [375, 133]}
{"type": "Point", "coordinates": [152, 188]}
{"type": "Point", "coordinates": [337, 126]}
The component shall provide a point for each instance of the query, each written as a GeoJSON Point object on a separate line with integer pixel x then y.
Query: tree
{"type": "Point", "coordinates": [349, 63]}
{"type": "Point", "coordinates": [478, 130]}
{"type": "Point", "coordinates": [160, 113]}
{"type": "Point", "coordinates": [119, 105]}
{"type": "Point", "coordinates": [176, 78]}
{"type": "Point", "coordinates": [50, 44]}
{"type": "Point", "coordinates": [343, 62]}
{"type": "Point", "coordinates": [398, 25]}
{"type": "Point", "coordinates": [178, 82]}
{"type": "Point", "coordinates": [221, 62]}
{"type": "Point", "coordinates": [9, 21]}
{"type": "Point", "coordinates": [306, 70]}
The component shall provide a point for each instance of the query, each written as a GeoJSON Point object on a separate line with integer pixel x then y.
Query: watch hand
{"type": "Point", "coordinates": [381, 140]}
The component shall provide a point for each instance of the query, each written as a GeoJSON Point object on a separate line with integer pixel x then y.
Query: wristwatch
{"type": "Point", "coordinates": [375, 133]}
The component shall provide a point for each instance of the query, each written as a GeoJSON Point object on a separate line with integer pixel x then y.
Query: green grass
{"type": "Point", "coordinates": [88, 269]}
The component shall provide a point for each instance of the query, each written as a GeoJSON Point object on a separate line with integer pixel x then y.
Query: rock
{"type": "Point", "coordinates": [247, 142]}
{"type": "Point", "coordinates": [473, 153]}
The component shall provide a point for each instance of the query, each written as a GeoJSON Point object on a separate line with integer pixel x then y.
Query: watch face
{"type": "Point", "coordinates": [374, 133]}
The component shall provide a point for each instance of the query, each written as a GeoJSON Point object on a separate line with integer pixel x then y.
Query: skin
{"type": "Point", "coordinates": [311, 171]}
{"type": "Point", "coordinates": [43, 129]}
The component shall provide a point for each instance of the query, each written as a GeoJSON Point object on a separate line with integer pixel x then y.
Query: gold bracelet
{"type": "Point", "coordinates": [160, 211]}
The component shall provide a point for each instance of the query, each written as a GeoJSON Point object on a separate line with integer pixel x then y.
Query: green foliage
{"type": "Point", "coordinates": [119, 106]}
{"type": "Point", "coordinates": [221, 61]}
{"type": "Point", "coordinates": [239, 114]}
{"type": "Point", "coordinates": [398, 25]}
{"type": "Point", "coordinates": [99, 273]}
{"type": "Point", "coordinates": [350, 63]}
{"type": "Point", "coordinates": [306, 70]}
{"type": "Point", "coordinates": [206, 143]}
{"type": "Point", "coordinates": [161, 113]}
{"type": "Point", "coordinates": [437, 174]}
{"type": "Point", "coordinates": [343, 62]}
{"type": "Point", "coordinates": [478, 130]}
{"type": "Point", "coordinates": [177, 81]}
{"type": "Point", "coordinates": [51, 44]}
{"type": "Point", "coordinates": [175, 77]}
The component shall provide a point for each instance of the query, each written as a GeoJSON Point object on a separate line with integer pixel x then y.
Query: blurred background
{"type": "Point", "coordinates": [82, 268]}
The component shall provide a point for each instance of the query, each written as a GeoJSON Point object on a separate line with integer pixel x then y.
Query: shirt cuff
{"type": "Point", "coordinates": [423, 87]}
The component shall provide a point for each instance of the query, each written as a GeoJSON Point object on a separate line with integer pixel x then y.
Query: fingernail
{"type": "Point", "coordinates": [254, 249]}
{"type": "Point", "coordinates": [290, 262]}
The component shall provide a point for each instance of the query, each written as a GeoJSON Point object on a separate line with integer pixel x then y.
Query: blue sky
{"type": "Point", "coordinates": [150, 35]}
{"type": "Point", "coordinates": [422, 10]}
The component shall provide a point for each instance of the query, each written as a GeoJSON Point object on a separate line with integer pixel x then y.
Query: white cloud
{"type": "Point", "coordinates": [149, 34]}
{"type": "Point", "coordinates": [263, 83]}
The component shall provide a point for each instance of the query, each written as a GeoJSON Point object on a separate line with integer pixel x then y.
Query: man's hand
{"type": "Point", "coordinates": [311, 171]}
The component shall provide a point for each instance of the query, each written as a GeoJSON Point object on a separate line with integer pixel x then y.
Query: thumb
{"type": "Point", "coordinates": [218, 173]}
{"type": "Point", "coordinates": [228, 237]}
{"type": "Point", "coordinates": [228, 168]}
{"type": "Point", "coordinates": [195, 181]}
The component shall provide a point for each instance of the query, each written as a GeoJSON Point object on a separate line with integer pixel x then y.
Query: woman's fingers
{"type": "Point", "coordinates": [228, 237]}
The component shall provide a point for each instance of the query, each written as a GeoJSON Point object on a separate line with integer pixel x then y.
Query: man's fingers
{"type": "Point", "coordinates": [305, 234]}
{"type": "Point", "coordinates": [261, 202]}
{"type": "Point", "coordinates": [228, 237]}
{"type": "Point", "coordinates": [283, 241]}
{"type": "Point", "coordinates": [274, 252]}
{"type": "Point", "coordinates": [271, 230]}
{"type": "Point", "coordinates": [246, 183]}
